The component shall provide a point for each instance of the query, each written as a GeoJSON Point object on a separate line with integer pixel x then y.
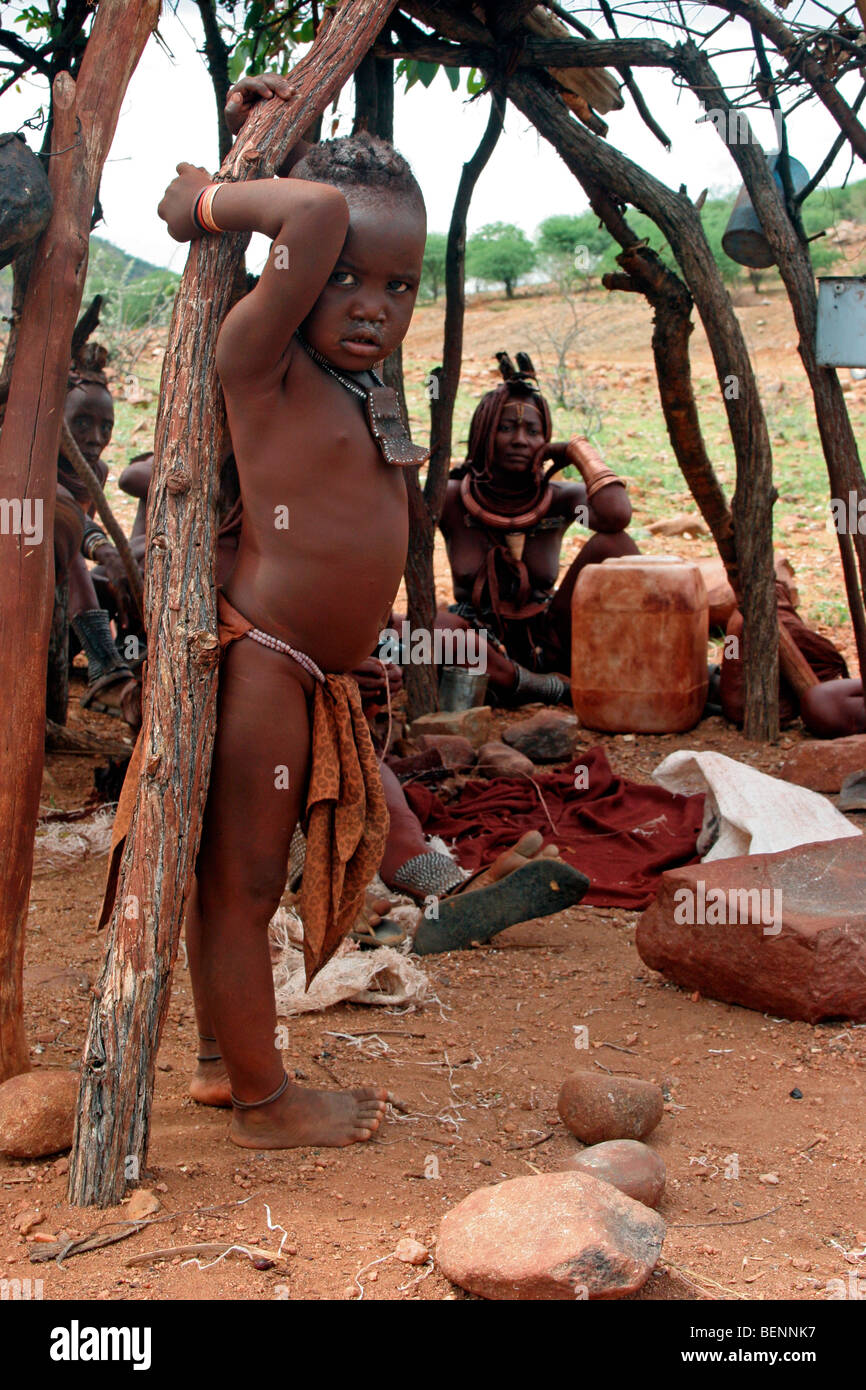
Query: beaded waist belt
{"type": "Point", "coordinates": [276, 645]}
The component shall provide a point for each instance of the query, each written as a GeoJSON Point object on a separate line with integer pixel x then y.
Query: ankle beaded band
{"type": "Point", "coordinates": [268, 1100]}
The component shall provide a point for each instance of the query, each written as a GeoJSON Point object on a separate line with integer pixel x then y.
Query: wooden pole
{"type": "Point", "coordinates": [85, 117]}
{"type": "Point", "coordinates": [425, 504]}
{"type": "Point", "coordinates": [131, 1000]}
{"type": "Point", "coordinates": [792, 257]}
{"type": "Point", "coordinates": [753, 501]}
{"type": "Point", "coordinates": [644, 272]}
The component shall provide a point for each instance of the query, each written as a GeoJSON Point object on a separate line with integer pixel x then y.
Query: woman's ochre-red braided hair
{"type": "Point", "coordinates": [485, 422]}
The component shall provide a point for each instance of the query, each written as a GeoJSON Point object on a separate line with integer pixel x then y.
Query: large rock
{"type": "Point", "coordinates": [801, 952]}
{"type": "Point", "coordinates": [554, 1236]}
{"type": "Point", "coordinates": [548, 737]}
{"type": "Point", "coordinates": [823, 764]}
{"type": "Point", "coordinates": [37, 1113]}
{"type": "Point", "coordinates": [632, 1168]}
{"type": "Point", "coordinates": [472, 724]}
{"type": "Point", "coordinates": [498, 760]}
{"type": "Point", "coordinates": [455, 751]}
{"type": "Point", "coordinates": [596, 1107]}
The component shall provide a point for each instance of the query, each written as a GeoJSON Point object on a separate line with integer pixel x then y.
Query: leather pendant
{"type": "Point", "coordinates": [515, 540]}
{"type": "Point", "coordinates": [389, 431]}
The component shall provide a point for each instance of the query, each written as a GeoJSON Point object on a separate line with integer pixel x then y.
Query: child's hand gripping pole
{"type": "Point", "coordinates": [179, 201]}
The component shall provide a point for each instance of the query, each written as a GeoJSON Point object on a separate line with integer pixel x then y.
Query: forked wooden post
{"type": "Point", "coordinates": [85, 117]}
{"type": "Point", "coordinates": [132, 996]}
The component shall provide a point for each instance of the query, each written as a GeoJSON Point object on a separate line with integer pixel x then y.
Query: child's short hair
{"type": "Point", "coordinates": [360, 161]}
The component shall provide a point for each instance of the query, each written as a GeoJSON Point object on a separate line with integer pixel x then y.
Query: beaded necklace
{"type": "Point", "coordinates": [384, 416]}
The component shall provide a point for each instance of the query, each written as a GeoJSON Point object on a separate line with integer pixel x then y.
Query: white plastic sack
{"type": "Point", "coordinates": [381, 976]}
{"type": "Point", "coordinates": [747, 812]}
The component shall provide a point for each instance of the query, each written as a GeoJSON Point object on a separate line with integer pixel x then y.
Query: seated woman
{"type": "Point", "coordinates": [504, 521]}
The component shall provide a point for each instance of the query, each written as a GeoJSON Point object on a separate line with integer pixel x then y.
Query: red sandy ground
{"type": "Point", "coordinates": [477, 1075]}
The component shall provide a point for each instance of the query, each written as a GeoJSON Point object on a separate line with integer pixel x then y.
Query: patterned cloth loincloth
{"type": "Point", "coordinates": [345, 820]}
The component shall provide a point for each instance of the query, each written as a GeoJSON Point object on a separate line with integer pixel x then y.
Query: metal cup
{"type": "Point", "coordinates": [461, 687]}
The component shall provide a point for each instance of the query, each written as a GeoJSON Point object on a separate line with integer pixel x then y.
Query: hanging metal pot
{"type": "Point", "coordinates": [743, 240]}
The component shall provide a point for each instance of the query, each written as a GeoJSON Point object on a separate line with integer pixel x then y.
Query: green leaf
{"type": "Point", "coordinates": [410, 69]}
{"type": "Point", "coordinates": [453, 75]}
{"type": "Point", "coordinates": [237, 61]}
{"type": "Point", "coordinates": [427, 72]}
{"type": "Point", "coordinates": [474, 82]}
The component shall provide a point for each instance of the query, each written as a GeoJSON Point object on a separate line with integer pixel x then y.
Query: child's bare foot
{"type": "Point", "coordinates": [210, 1085]}
{"type": "Point", "coordinates": [301, 1117]}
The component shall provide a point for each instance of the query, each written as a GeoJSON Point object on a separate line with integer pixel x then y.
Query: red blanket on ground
{"type": "Point", "coordinates": [621, 834]}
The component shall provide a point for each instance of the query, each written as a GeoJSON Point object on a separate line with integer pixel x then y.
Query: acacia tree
{"type": "Point", "coordinates": [500, 253]}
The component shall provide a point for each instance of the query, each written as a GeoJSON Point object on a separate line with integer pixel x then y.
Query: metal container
{"type": "Point", "coordinates": [743, 240]}
{"type": "Point", "coordinates": [460, 687]}
{"type": "Point", "coordinates": [841, 337]}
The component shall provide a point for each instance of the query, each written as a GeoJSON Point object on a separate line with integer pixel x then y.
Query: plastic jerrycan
{"type": "Point", "coordinates": [639, 645]}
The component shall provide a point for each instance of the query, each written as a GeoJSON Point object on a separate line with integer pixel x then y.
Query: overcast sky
{"type": "Point", "coordinates": [169, 115]}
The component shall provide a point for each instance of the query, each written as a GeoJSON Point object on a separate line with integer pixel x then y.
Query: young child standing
{"type": "Point", "coordinates": [319, 447]}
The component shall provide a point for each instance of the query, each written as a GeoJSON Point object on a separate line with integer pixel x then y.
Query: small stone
{"type": "Point", "coordinates": [682, 524]}
{"type": "Point", "coordinates": [796, 1094]}
{"type": "Point", "coordinates": [548, 737]}
{"type": "Point", "coordinates": [454, 750]}
{"type": "Point", "coordinates": [553, 1236]}
{"type": "Point", "coordinates": [28, 1220]}
{"type": "Point", "coordinates": [141, 1204]}
{"type": "Point", "coordinates": [498, 760]}
{"type": "Point", "coordinates": [632, 1168]}
{"type": "Point", "coordinates": [596, 1108]}
{"type": "Point", "coordinates": [60, 1166]}
{"type": "Point", "coordinates": [853, 794]}
{"type": "Point", "coordinates": [824, 764]}
{"type": "Point", "coordinates": [411, 1252]}
{"type": "Point", "coordinates": [37, 1113]}
{"type": "Point", "coordinates": [472, 724]}
{"type": "Point", "coordinates": [769, 1179]}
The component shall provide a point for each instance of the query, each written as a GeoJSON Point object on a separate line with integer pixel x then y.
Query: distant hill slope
{"type": "Point", "coordinates": [134, 290]}
{"type": "Point", "coordinates": [108, 260]}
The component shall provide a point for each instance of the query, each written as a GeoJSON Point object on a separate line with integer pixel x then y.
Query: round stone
{"type": "Point", "coordinates": [631, 1167]}
{"type": "Point", "coordinates": [596, 1107]}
